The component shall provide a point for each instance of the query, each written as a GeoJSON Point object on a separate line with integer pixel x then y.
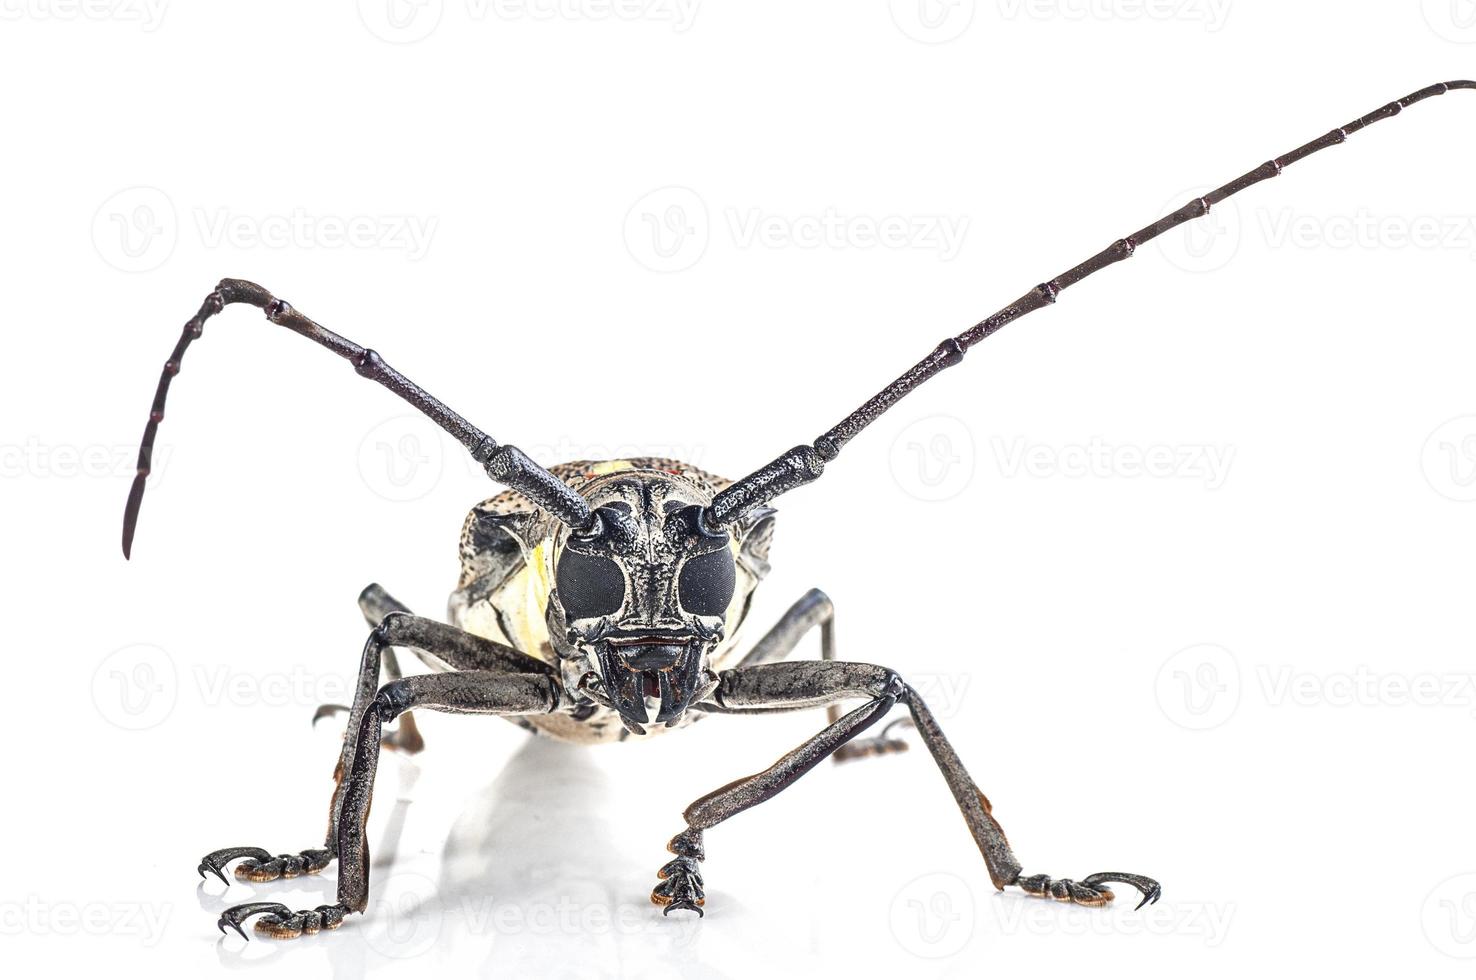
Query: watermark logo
{"type": "Point", "coordinates": [1198, 688]}
{"type": "Point", "coordinates": [667, 230]}
{"type": "Point", "coordinates": [404, 917]}
{"type": "Point", "coordinates": [401, 21]}
{"type": "Point", "coordinates": [1454, 20]}
{"type": "Point", "coordinates": [1205, 243]}
{"type": "Point", "coordinates": [136, 687]}
{"type": "Point", "coordinates": [933, 916]}
{"type": "Point", "coordinates": [1449, 459]}
{"type": "Point", "coordinates": [933, 459]}
{"type": "Point", "coordinates": [1449, 916]}
{"type": "Point", "coordinates": [1201, 688]}
{"type": "Point", "coordinates": [932, 21]}
{"type": "Point", "coordinates": [136, 229]}
{"type": "Point", "coordinates": [402, 458]}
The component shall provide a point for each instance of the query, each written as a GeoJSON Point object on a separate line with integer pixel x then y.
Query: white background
{"type": "Point", "coordinates": [1196, 605]}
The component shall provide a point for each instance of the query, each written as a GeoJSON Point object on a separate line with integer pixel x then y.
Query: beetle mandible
{"type": "Point", "coordinates": [599, 600]}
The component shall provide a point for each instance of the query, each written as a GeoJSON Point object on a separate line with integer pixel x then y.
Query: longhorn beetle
{"type": "Point", "coordinates": [599, 600]}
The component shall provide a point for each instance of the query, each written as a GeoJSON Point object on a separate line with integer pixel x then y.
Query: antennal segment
{"type": "Point", "coordinates": [506, 464]}
{"type": "Point", "coordinates": [802, 464]}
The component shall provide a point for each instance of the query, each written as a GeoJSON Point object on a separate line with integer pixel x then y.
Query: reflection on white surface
{"type": "Point", "coordinates": [497, 854]}
{"type": "Point", "coordinates": [542, 873]}
{"type": "Point", "coordinates": [534, 862]}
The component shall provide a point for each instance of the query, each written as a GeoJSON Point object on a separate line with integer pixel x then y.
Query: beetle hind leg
{"type": "Point", "coordinates": [869, 748]}
{"type": "Point", "coordinates": [815, 609]}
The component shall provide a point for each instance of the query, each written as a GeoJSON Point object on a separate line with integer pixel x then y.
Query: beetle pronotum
{"type": "Point", "coordinates": [638, 573]}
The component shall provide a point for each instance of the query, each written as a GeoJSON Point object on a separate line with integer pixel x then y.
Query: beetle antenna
{"type": "Point", "coordinates": [506, 464]}
{"type": "Point", "coordinates": [803, 464]}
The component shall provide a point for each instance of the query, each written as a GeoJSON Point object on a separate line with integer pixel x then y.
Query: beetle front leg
{"type": "Point", "coordinates": [448, 645]}
{"type": "Point", "coordinates": [772, 687]}
{"type": "Point", "coordinates": [786, 686]}
{"type": "Point", "coordinates": [261, 865]}
{"type": "Point", "coordinates": [681, 884]}
{"type": "Point", "coordinates": [458, 692]}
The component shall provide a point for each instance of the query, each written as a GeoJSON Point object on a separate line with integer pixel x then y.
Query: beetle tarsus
{"type": "Point", "coordinates": [680, 887]}
{"type": "Point", "coordinates": [262, 865]}
{"type": "Point", "coordinates": [1151, 890]}
{"type": "Point", "coordinates": [280, 922]}
{"type": "Point", "coordinates": [1090, 891]}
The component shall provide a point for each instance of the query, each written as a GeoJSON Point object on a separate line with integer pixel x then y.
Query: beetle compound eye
{"type": "Point", "coordinates": [705, 585]}
{"type": "Point", "coordinates": [589, 585]}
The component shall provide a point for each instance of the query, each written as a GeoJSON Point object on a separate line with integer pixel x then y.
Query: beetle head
{"type": "Point", "coordinates": [641, 597]}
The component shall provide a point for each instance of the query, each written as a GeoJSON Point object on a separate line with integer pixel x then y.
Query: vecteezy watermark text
{"type": "Point", "coordinates": [37, 916]}
{"type": "Point", "coordinates": [1212, 14]}
{"type": "Point", "coordinates": [1098, 458]}
{"type": "Point", "coordinates": [408, 21]}
{"type": "Point", "coordinates": [669, 229]}
{"type": "Point", "coordinates": [148, 14]}
{"type": "Point", "coordinates": [1364, 229]}
{"type": "Point", "coordinates": [939, 233]}
{"type": "Point", "coordinates": [137, 229]}
{"type": "Point", "coordinates": [408, 233]}
{"type": "Point", "coordinates": [41, 460]}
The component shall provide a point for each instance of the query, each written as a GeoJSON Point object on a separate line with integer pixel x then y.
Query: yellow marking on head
{"type": "Point", "coordinates": [539, 562]}
{"type": "Point", "coordinates": [526, 609]}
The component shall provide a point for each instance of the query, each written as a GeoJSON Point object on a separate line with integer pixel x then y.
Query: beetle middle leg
{"type": "Point", "coordinates": [449, 647]}
{"type": "Point", "coordinates": [376, 604]}
{"type": "Point", "coordinates": [458, 692]}
{"type": "Point", "coordinates": [788, 686]}
{"type": "Point", "coordinates": [813, 609]}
